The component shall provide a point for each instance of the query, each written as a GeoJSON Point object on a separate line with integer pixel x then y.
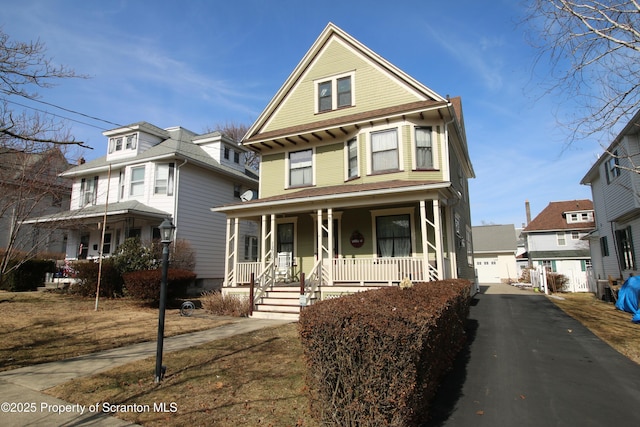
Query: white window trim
{"type": "Point", "coordinates": [398, 127]}
{"type": "Point", "coordinates": [287, 176]}
{"type": "Point", "coordinates": [334, 91]}
{"type": "Point", "coordinates": [131, 181]}
{"type": "Point", "coordinates": [434, 146]}
{"type": "Point", "coordinates": [346, 159]}
{"type": "Point", "coordinates": [395, 211]}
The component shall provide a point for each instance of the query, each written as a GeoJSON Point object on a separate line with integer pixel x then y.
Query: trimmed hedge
{"type": "Point", "coordinates": [145, 284]}
{"type": "Point", "coordinates": [377, 357]}
{"type": "Point", "coordinates": [27, 276]}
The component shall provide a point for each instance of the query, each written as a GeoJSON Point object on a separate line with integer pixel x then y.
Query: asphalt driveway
{"type": "Point", "coordinates": [529, 364]}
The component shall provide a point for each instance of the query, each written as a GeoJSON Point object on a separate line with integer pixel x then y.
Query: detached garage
{"type": "Point", "coordinates": [494, 251]}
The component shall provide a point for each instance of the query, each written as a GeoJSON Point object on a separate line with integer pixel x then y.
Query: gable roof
{"type": "Point", "coordinates": [494, 238]}
{"type": "Point", "coordinates": [420, 98]}
{"type": "Point", "coordinates": [553, 217]}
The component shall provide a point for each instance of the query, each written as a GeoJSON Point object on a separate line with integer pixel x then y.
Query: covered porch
{"type": "Point", "coordinates": [343, 240]}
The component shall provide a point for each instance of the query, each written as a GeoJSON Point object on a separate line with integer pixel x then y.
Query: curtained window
{"type": "Point", "coordinates": [384, 150]}
{"type": "Point", "coordinates": [352, 150]}
{"type": "Point", "coordinates": [393, 234]}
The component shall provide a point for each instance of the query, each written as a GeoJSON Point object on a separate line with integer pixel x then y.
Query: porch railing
{"type": "Point", "coordinates": [381, 270]}
{"type": "Point", "coordinates": [244, 270]}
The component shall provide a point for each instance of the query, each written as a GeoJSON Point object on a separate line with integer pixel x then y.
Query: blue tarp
{"type": "Point", "coordinates": [628, 297]}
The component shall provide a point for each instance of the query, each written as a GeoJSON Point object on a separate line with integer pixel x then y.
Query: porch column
{"type": "Point", "coordinates": [273, 235]}
{"type": "Point", "coordinates": [226, 255]}
{"type": "Point", "coordinates": [319, 250]}
{"type": "Point", "coordinates": [437, 224]}
{"type": "Point", "coordinates": [236, 238]}
{"type": "Point", "coordinates": [425, 239]}
{"type": "Point", "coordinates": [330, 249]}
{"type": "Point", "coordinates": [263, 243]}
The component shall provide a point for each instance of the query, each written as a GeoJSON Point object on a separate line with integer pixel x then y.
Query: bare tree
{"type": "Point", "coordinates": [24, 69]}
{"type": "Point", "coordinates": [30, 186]}
{"type": "Point", "coordinates": [594, 51]}
{"type": "Point", "coordinates": [237, 131]}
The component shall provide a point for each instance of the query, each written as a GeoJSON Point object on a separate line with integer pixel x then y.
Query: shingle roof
{"type": "Point", "coordinates": [552, 217]}
{"type": "Point", "coordinates": [494, 238]}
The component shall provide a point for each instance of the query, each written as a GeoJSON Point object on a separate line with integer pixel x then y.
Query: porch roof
{"type": "Point", "coordinates": [338, 196]}
{"type": "Point", "coordinates": [130, 207]}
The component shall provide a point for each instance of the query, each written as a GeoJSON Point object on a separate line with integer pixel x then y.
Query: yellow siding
{"type": "Point", "coordinates": [330, 165]}
{"type": "Point", "coordinates": [272, 175]}
{"type": "Point", "coordinates": [372, 89]}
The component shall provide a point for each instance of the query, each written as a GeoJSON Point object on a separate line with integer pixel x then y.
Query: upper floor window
{"type": "Point", "coordinates": [424, 148]}
{"type": "Point", "coordinates": [561, 239]}
{"type": "Point", "coordinates": [164, 179]}
{"type": "Point", "coordinates": [119, 143]}
{"type": "Point", "coordinates": [612, 167]}
{"type": "Point", "coordinates": [137, 181]}
{"type": "Point", "coordinates": [341, 86]}
{"type": "Point", "coordinates": [88, 191]}
{"type": "Point", "coordinates": [236, 157]}
{"type": "Point", "coordinates": [384, 150]}
{"type": "Point", "coordinates": [300, 168]}
{"type": "Point", "coordinates": [352, 158]}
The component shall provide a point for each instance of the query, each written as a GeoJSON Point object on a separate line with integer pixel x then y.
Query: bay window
{"type": "Point", "coordinates": [137, 181]}
{"type": "Point", "coordinates": [384, 150]}
{"type": "Point", "coordinates": [424, 148]}
{"type": "Point", "coordinates": [164, 179]}
{"type": "Point", "coordinates": [300, 168]}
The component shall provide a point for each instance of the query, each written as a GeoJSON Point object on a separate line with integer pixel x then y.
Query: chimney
{"type": "Point", "coordinates": [527, 207]}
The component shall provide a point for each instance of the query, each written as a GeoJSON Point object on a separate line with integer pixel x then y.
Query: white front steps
{"type": "Point", "coordinates": [281, 302]}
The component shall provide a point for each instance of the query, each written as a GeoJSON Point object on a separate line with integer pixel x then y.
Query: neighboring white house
{"type": "Point", "coordinates": [615, 187]}
{"type": "Point", "coordinates": [150, 174]}
{"type": "Point", "coordinates": [554, 239]}
{"type": "Point", "coordinates": [494, 252]}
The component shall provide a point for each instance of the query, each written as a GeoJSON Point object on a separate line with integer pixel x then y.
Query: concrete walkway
{"type": "Point", "coordinates": [24, 405]}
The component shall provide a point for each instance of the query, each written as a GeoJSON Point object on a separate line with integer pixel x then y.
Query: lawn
{"type": "Point", "coordinates": [38, 327]}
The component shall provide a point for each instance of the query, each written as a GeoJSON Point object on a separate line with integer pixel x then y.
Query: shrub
{"type": "Point", "coordinates": [182, 255]}
{"type": "Point", "coordinates": [87, 275]}
{"type": "Point", "coordinates": [132, 255]}
{"type": "Point", "coordinates": [225, 305]}
{"type": "Point", "coordinates": [145, 284]}
{"type": "Point", "coordinates": [27, 276]}
{"type": "Point", "coordinates": [377, 357]}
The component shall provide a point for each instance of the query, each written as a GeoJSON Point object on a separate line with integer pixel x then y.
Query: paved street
{"type": "Point", "coordinates": [529, 364]}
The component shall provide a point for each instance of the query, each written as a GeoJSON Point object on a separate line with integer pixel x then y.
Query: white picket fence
{"type": "Point", "coordinates": [578, 281]}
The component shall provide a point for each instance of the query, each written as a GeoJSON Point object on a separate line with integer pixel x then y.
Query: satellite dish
{"type": "Point", "coordinates": [247, 195]}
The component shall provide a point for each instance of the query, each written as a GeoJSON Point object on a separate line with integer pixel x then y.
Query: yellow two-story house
{"type": "Point", "coordinates": [363, 182]}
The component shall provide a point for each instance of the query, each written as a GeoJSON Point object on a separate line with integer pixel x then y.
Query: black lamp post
{"type": "Point", "coordinates": [166, 235]}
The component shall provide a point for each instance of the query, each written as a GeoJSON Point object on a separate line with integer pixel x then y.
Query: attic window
{"type": "Point", "coordinates": [341, 86]}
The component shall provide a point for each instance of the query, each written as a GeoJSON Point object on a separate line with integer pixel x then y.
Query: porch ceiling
{"type": "Point", "coordinates": [343, 196]}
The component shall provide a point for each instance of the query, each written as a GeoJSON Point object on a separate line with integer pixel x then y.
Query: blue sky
{"type": "Point", "coordinates": [198, 63]}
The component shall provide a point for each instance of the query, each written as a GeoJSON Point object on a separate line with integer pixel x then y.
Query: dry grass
{"type": "Point", "coordinates": [248, 380]}
{"type": "Point", "coordinates": [38, 327]}
{"type": "Point", "coordinates": [605, 321]}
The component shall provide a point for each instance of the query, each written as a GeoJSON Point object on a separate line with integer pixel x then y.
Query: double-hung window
{"type": "Point", "coordinates": [424, 148]}
{"type": "Point", "coordinates": [612, 167]}
{"type": "Point", "coordinates": [334, 93]}
{"type": "Point", "coordinates": [88, 191]}
{"type": "Point", "coordinates": [625, 249]}
{"type": "Point", "coordinates": [352, 158]}
{"type": "Point", "coordinates": [384, 151]}
{"type": "Point", "coordinates": [137, 181]}
{"type": "Point", "coordinates": [300, 168]}
{"type": "Point", "coordinates": [164, 179]}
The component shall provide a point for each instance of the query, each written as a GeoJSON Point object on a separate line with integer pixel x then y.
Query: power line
{"type": "Point", "coordinates": [61, 108]}
{"type": "Point", "coordinates": [55, 115]}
